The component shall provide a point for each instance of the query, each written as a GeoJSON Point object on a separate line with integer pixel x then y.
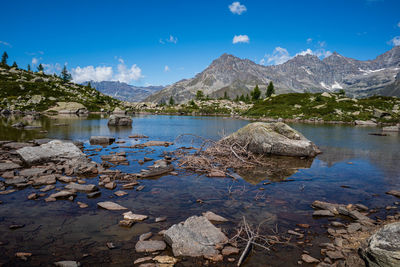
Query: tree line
{"type": "Point", "coordinates": [64, 74]}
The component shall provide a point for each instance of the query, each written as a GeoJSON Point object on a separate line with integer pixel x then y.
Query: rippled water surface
{"type": "Point", "coordinates": [355, 167]}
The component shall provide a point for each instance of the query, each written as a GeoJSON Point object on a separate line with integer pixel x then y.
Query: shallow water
{"type": "Point", "coordinates": [366, 165]}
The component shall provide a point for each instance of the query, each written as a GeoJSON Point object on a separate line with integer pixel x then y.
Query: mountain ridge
{"type": "Point", "coordinates": [302, 73]}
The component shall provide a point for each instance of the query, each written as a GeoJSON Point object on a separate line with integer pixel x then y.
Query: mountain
{"type": "Point", "coordinates": [303, 73]}
{"type": "Point", "coordinates": [124, 91]}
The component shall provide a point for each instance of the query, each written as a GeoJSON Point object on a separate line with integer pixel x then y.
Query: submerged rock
{"type": "Point", "coordinates": [67, 264]}
{"type": "Point", "coordinates": [195, 237]}
{"type": "Point", "coordinates": [273, 139]}
{"type": "Point", "coordinates": [384, 247]}
{"type": "Point", "coordinates": [150, 246]}
{"type": "Point", "coordinates": [108, 205]}
{"type": "Point", "coordinates": [100, 140]}
{"type": "Point", "coordinates": [81, 187]}
{"type": "Point", "coordinates": [115, 120]}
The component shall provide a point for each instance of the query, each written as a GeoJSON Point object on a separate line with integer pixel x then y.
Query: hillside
{"type": "Point", "coordinates": [303, 73]}
{"type": "Point", "coordinates": [23, 90]}
{"type": "Point", "coordinates": [123, 91]}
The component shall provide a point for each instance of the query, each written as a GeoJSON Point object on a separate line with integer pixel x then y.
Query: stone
{"type": "Point", "coordinates": [44, 180]}
{"type": "Point", "coordinates": [101, 140]}
{"type": "Point", "coordinates": [391, 128]}
{"type": "Point", "coordinates": [365, 123]}
{"type": "Point", "coordinates": [323, 213]}
{"type": "Point", "coordinates": [62, 194]}
{"type": "Point", "coordinates": [81, 187]}
{"type": "Point", "coordinates": [395, 193]}
{"type": "Point", "coordinates": [17, 145]}
{"type": "Point", "coordinates": [333, 208]}
{"type": "Point", "coordinates": [145, 236]}
{"type": "Point", "coordinates": [116, 120]}
{"type": "Point", "coordinates": [15, 181]}
{"type": "Point", "coordinates": [383, 247]}
{"type": "Point", "coordinates": [33, 196]}
{"type": "Point", "coordinates": [150, 246]}
{"type": "Point", "coordinates": [141, 260]}
{"type": "Point", "coordinates": [67, 264]}
{"type": "Point", "coordinates": [134, 217]}
{"type": "Point", "coordinates": [8, 166]}
{"type": "Point", "coordinates": [110, 245]}
{"type": "Point", "coordinates": [67, 108]}
{"type": "Point", "coordinates": [195, 237]}
{"type": "Point", "coordinates": [229, 250]}
{"type": "Point", "coordinates": [82, 205]}
{"type": "Point", "coordinates": [216, 173]}
{"type": "Point", "coordinates": [66, 179]}
{"type": "Point", "coordinates": [110, 185]}
{"type": "Point", "coordinates": [272, 138]}
{"type": "Point", "coordinates": [32, 172]}
{"type": "Point", "coordinates": [353, 227]}
{"type": "Point", "coordinates": [130, 185]}
{"type": "Point", "coordinates": [126, 223]}
{"type": "Point", "coordinates": [47, 188]}
{"type": "Point", "coordinates": [165, 260]}
{"type": "Point", "coordinates": [23, 255]}
{"type": "Point", "coordinates": [160, 219]}
{"type": "Point", "coordinates": [308, 259]}
{"type": "Point", "coordinates": [211, 216]}
{"type": "Point", "coordinates": [108, 205]}
{"type": "Point", "coordinates": [334, 255]}
{"type": "Point", "coordinates": [215, 258]}
{"type": "Point", "coordinates": [94, 194]}
{"type": "Point", "coordinates": [55, 150]}
{"type": "Point", "coordinates": [120, 193]}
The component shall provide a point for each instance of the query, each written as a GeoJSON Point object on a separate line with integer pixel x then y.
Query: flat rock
{"type": "Point", "coordinates": [150, 246]}
{"type": "Point", "coordinates": [141, 260]}
{"type": "Point", "coordinates": [31, 172]}
{"type": "Point", "coordinates": [323, 213]}
{"type": "Point", "coordinates": [8, 166]}
{"type": "Point", "coordinates": [134, 217]}
{"type": "Point", "coordinates": [94, 194]}
{"type": "Point", "coordinates": [110, 185]}
{"type": "Point", "coordinates": [383, 247]}
{"type": "Point", "coordinates": [62, 194]}
{"type": "Point", "coordinates": [334, 255]}
{"type": "Point", "coordinates": [15, 181]}
{"type": "Point", "coordinates": [81, 187]}
{"type": "Point", "coordinates": [120, 193]}
{"type": "Point", "coordinates": [308, 259]}
{"type": "Point", "coordinates": [44, 180]}
{"type": "Point", "coordinates": [108, 205]}
{"type": "Point", "coordinates": [17, 145]}
{"type": "Point", "coordinates": [395, 193]}
{"type": "Point", "coordinates": [272, 138]}
{"type": "Point", "coordinates": [211, 216]}
{"type": "Point", "coordinates": [229, 250]}
{"type": "Point", "coordinates": [165, 260]}
{"type": "Point", "coordinates": [51, 151]}
{"type": "Point", "coordinates": [145, 236]}
{"type": "Point", "coordinates": [161, 219]}
{"type": "Point", "coordinates": [66, 179]}
{"type": "Point", "coordinates": [100, 140]}
{"type": "Point", "coordinates": [195, 237]}
{"type": "Point", "coordinates": [116, 120]}
{"type": "Point", "coordinates": [67, 264]}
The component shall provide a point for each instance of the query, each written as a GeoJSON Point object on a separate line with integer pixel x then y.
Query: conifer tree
{"type": "Point", "coordinates": [65, 75]}
{"type": "Point", "coordinates": [171, 101]}
{"type": "Point", "coordinates": [4, 58]}
{"type": "Point", "coordinates": [29, 68]}
{"type": "Point", "coordinates": [256, 93]}
{"type": "Point", "coordinates": [14, 65]}
{"type": "Point", "coordinates": [270, 89]}
{"type": "Point", "coordinates": [40, 67]}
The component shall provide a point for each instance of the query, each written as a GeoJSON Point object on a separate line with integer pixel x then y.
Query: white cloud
{"type": "Point", "coordinates": [35, 61]}
{"type": "Point", "coordinates": [281, 55]}
{"type": "Point", "coordinates": [395, 41]}
{"type": "Point", "coordinates": [278, 56]}
{"type": "Point", "coordinates": [5, 43]}
{"type": "Point", "coordinates": [52, 68]}
{"type": "Point", "coordinates": [321, 43]}
{"type": "Point", "coordinates": [166, 68]}
{"type": "Point", "coordinates": [106, 73]}
{"type": "Point", "coordinates": [171, 39]}
{"type": "Point", "coordinates": [90, 73]}
{"type": "Point", "coordinates": [309, 40]}
{"type": "Point", "coordinates": [237, 8]}
{"type": "Point", "coordinates": [127, 75]}
{"type": "Point", "coordinates": [240, 39]}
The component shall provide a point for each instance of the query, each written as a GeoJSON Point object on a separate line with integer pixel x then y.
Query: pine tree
{"type": "Point", "coordinates": [270, 89]}
{"type": "Point", "coordinates": [65, 75]}
{"type": "Point", "coordinates": [4, 58]}
{"type": "Point", "coordinates": [29, 68]}
{"type": "Point", "coordinates": [242, 98]}
{"type": "Point", "coordinates": [89, 85]}
{"type": "Point", "coordinates": [199, 95]}
{"type": "Point", "coordinates": [237, 98]}
{"type": "Point", "coordinates": [40, 67]}
{"type": "Point", "coordinates": [14, 65]}
{"type": "Point", "coordinates": [256, 93]}
{"type": "Point", "coordinates": [226, 95]}
{"type": "Point", "coordinates": [171, 101]}
{"type": "Point", "coordinates": [247, 99]}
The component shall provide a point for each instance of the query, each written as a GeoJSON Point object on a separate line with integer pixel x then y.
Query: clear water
{"type": "Point", "coordinates": [366, 165]}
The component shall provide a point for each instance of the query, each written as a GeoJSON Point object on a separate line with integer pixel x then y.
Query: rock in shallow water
{"type": "Point", "coordinates": [273, 139]}
{"type": "Point", "coordinates": [195, 237]}
{"type": "Point", "coordinates": [108, 205]}
{"type": "Point", "coordinates": [150, 246]}
{"type": "Point", "coordinates": [384, 247]}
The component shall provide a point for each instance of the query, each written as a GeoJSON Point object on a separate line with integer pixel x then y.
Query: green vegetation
{"type": "Point", "coordinates": [328, 107]}
{"type": "Point", "coordinates": [4, 58]}
{"type": "Point", "coordinates": [23, 90]}
{"type": "Point", "coordinates": [270, 89]}
{"type": "Point", "coordinates": [256, 93]}
{"type": "Point", "coordinates": [65, 76]}
{"type": "Point", "coordinates": [171, 101]}
{"type": "Point", "coordinates": [199, 95]}
{"type": "Point", "coordinates": [40, 67]}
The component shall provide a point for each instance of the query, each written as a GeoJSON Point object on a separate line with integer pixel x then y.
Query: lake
{"type": "Point", "coordinates": [355, 167]}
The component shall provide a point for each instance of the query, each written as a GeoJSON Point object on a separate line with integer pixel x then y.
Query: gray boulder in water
{"type": "Point", "coordinates": [383, 248]}
{"type": "Point", "coordinates": [272, 139]}
{"type": "Point", "coordinates": [115, 120]}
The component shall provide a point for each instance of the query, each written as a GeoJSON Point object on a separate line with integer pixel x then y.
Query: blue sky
{"type": "Point", "coordinates": [160, 42]}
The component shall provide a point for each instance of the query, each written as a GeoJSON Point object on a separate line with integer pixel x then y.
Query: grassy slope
{"type": "Point", "coordinates": [16, 89]}
{"type": "Point", "coordinates": [331, 109]}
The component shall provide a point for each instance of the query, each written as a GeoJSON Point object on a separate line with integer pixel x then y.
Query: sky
{"type": "Point", "coordinates": [151, 42]}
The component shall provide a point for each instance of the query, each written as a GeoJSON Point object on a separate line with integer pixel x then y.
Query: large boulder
{"type": "Point", "coordinates": [68, 108]}
{"type": "Point", "coordinates": [383, 247]}
{"type": "Point", "coordinates": [195, 237]}
{"type": "Point", "coordinates": [272, 139]}
{"type": "Point", "coordinates": [115, 120]}
{"type": "Point", "coordinates": [55, 150]}
{"type": "Point", "coordinates": [395, 128]}
{"type": "Point", "coordinates": [117, 110]}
